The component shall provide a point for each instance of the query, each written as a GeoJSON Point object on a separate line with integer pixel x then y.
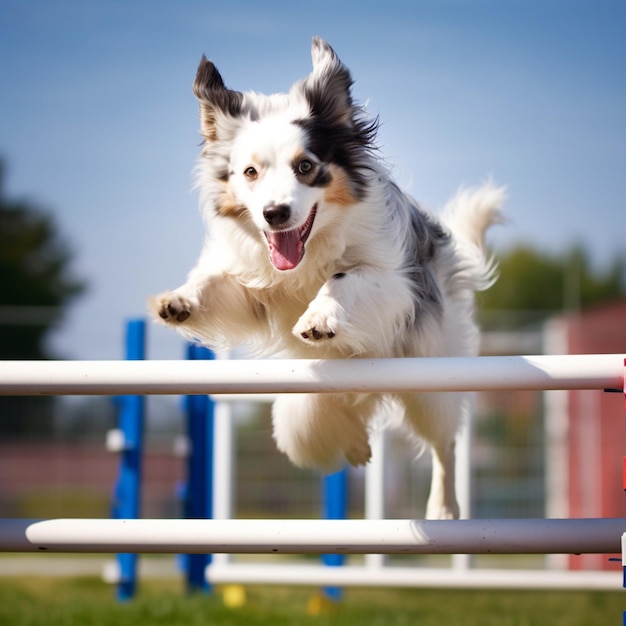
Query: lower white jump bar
{"type": "Point", "coordinates": [523, 536]}
{"type": "Point", "coordinates": [394, 576]}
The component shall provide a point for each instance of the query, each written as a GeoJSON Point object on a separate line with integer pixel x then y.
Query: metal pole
{"type": "Point", "coordinates": [375, 491]}
{"type": "Point", "coordinates": [199, 492]}
{"type": "Point", "coordinates": [223, 471]}
{"type": "Point", "coordinates": [254, 536]}
{"type": "Point", "coordinates": [127, 498]}
{"type": "Point", "coordinates": [589, 371]}
{"type": "Point", "coordinates": [335, 507]}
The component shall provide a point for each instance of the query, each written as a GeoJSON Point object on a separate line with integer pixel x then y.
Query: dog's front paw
{"type": "Point", "coordinates": [171, 307]}
{"type": "Point", "coordinates": [316, 327]}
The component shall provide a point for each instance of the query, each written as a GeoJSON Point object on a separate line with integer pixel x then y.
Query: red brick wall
{"type": "Point", "coordinates": [38, 479]}
{"type": "Point", "coordinates": [597, 428]}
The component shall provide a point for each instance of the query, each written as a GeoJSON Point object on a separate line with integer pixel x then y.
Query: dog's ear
{"type": "Point", "coordinates": [324, 57]}
{"type": "Point", "coordinates": [327, 88]}
{"type": "Point", "coordinates": [216, 101]}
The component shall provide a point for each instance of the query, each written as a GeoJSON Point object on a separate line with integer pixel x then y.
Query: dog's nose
{"type": "Point", "coordinates": [276, 214]}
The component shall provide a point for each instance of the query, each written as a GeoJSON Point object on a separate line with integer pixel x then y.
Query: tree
{"type": "Point", "coordinates": [534, 285]}
{"type": "Point", "coordinates": [36, 286]}
{"type": "Point", "coordinates": [35, 275]}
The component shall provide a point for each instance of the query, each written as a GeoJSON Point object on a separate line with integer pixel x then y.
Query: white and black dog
{"type": "Point", "coordinates": [313, 252]}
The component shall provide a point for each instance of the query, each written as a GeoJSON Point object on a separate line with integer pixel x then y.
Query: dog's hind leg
{"type": "Point", "coordinates": [323, 430]}
{"type": "Point", "coordinates": [442, 503]}
{"type": "Point", "coordinates": [436, 418]}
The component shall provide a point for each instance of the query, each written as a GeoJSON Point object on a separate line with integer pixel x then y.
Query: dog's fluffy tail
{"type": "Point", "coordinates": [468, 216]}
{"type": "Point", "coordinates": [473, 210]}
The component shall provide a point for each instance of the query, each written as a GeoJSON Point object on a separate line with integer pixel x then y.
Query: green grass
{"type": "Point", "coordinates": [87, 601]}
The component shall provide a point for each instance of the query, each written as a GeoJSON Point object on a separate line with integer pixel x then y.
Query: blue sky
{"type": "Point", "coordinates": [98, 123]}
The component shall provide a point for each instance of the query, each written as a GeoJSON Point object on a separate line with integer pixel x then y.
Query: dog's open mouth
{"type": "Point", "coordinates": [287, 246]}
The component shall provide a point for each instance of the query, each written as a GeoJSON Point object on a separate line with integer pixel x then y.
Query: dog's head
{"type": "Point", "coordinates": [285, 162]}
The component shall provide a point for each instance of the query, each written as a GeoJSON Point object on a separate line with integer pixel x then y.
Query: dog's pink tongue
{"type": "Point", "coordinates": [285, 249]}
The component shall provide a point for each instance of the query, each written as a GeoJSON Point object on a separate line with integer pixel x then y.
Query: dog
{"type": "Point", "coordinates": [314, 252]}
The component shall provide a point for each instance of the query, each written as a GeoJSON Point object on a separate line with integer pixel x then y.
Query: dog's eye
{"type": "Point", "coordinates": [304, 166]}
{"type": "Point", "coordinates": [250, 173]}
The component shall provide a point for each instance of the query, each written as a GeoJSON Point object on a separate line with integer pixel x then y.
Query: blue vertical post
{"type": "Point", "coordinates": [199, 489]}
{"type": "Point", "coordinates": [127, 499]}
{"type": "Point", "coordinates": [335, 506]}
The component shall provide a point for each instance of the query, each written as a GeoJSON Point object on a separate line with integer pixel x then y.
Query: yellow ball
{"type": "Point", "coordinates": [319, 604]}
{"type": "Point", "coordinates": [234, 596]}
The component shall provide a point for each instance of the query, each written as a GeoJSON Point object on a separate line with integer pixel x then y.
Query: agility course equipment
{"type": "Point", "coordinates": [196, 494]}
{"type": "Point", "coordinates": [595, 372]}
{"type": "Point", "coordinates": [128, 442]}
{"type": "Point", "coordinates": [239, 536]}
{"type": "Point", "coordinates": [198, 491]}
{"type": "Point", "coordinates": [590, 371]}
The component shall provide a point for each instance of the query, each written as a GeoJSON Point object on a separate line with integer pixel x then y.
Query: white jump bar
{"type": "Point", "coordinates": [598, 371]}
{"type": "Point", "coordinates": [522, 536]}
{"type": "Point", "coordinates": [396, 576]}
